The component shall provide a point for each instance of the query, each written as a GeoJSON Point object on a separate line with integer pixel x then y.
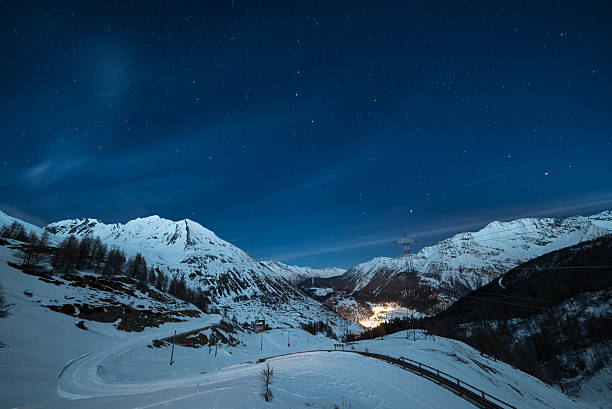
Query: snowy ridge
{"type": "Point", "coordinates": [296, 274]}
{"type": "Point", "coordinates": [470, 260]}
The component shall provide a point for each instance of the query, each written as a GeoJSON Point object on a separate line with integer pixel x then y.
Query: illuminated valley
{"type": "Point", "coordinates": [379, 315]}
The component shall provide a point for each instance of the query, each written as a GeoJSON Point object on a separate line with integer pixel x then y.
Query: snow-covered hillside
{"type": "Point", "coordinates": [296, 274]}
{"type": "Point", "coordinates": [469, 260]}
{"type": "Point", "coordinates": [6, 220]}
{"type": "Point", "coordinates": [38, 341]}
{"type": "Point", "coordinates": [49, 362]}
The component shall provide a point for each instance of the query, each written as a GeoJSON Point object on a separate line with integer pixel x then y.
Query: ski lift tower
{"type": "Point", "coordinates": [405, 242]}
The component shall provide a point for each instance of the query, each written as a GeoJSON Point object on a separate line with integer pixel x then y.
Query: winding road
{"type": "Point", "coordinates": [83, 377]}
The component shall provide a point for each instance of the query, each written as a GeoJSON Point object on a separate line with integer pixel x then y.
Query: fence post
{"type": "Point", "coordinates": [172, 353]}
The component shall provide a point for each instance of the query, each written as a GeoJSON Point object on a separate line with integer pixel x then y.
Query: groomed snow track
{"type": "Point", "coordinates": [474, 395]}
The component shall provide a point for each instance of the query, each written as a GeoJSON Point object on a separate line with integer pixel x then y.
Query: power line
{"type": "Point", "coordinates": [557, 268]}
{"type": "Point", "coordinates": [520, 305]}
{"type": "Point", "coordinates": [513, 296]}
{"type": "Point", "coordinates": [477, 235]}
{"type": "Point", "coordinates": [562, 268]}
{"type": "Point", "coordinates": [506, 302]}
{"type": "Point", "coordinates": [493, 232]}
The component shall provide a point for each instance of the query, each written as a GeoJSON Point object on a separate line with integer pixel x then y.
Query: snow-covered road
{"type": "Point", "coordinates": [315, 379]}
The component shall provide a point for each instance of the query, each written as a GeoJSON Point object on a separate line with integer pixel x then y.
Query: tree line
{"type": "Point", "coordinates": [91, 254]}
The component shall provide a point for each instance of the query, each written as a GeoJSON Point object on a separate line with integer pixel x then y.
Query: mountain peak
{"type": "Point", "coordinates": [183, 248]}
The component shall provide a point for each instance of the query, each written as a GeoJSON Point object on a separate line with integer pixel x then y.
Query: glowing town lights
{"type": "Point", "coordinates": [379, 316]}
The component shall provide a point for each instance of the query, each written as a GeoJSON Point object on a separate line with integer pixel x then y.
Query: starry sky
{"type": "Point", "coordinates": [313, 133]}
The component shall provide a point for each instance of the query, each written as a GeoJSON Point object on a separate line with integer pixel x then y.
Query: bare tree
{"type": "Point", "coordinates": [31, 254]}
{"type": "Point", "coordinates": [65, 257]}
{"type": "Point", "coordinates": [44, 239]}
{"type": "Point", "coordinates": [115, 260]}
{"type": "Point", "coordinates": [345, 404]}
{"type": "Point", "coordinates": [100, 254]}
{"type": "Point", "coordinates": [15, 231]}
{"type": "Point", "coordinates": [267, 377]}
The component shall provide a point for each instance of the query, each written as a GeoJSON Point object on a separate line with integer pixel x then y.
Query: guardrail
{"type": "Point", "coordinates": [465, 390]}
{"type": "Point", "coordinates": [441, 374]}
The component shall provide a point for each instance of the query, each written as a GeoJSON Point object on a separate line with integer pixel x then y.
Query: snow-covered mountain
{"type": "Point", "coordinates": [469, 260]}
{"type": "Point", "coordinates": [184, 247]}
{"type": "Point", "coordinates": [296, 274]}
{"type": "Point", "coordinates": [228, 276]}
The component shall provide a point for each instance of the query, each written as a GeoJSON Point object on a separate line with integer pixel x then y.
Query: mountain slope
{"type": "Point", "coordinates": [296, 274]}
{"type": "Point", "coordinates": [540, 284]}
{"type": "Point", "coordinates": [229, 277]}
{"type": "Point", "coordinates": [549, 317]}
{"type": "Point", "coordinates": [184, 247]}
{"type": "Point", "coordinates": [6, 220]}
{"type": "Point", "coordinates": [467, 261]}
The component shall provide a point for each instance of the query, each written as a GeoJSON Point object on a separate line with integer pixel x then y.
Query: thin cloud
{"type": "Point", "coordinates": [52, 170]}
{"type": "Point", "coordinates": [20, 214]}
{"type": "Point", "coordinates": [387, 237]}
{"type": "Point", "coordinates": [390, 236]}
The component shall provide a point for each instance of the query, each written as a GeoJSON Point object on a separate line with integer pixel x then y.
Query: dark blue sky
{"type": "Point", "coordinates": [310, 133]}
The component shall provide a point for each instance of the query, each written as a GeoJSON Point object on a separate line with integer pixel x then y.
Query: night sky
{"type": "Point", "coordinates": [313, 133]}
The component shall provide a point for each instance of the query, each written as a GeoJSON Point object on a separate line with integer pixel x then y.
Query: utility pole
{"type": "Point", "coordinates": [261, 343]}
{"type": "Point", "coordinates": [172, 353]}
